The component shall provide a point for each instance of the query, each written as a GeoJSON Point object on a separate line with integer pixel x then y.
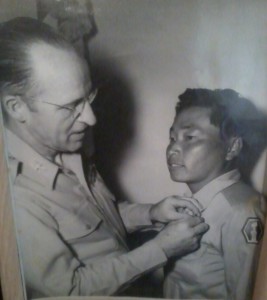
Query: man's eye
{"type": "Point", "coordinates": [66, 111]}
{"type": "Point", "coordinates": [67, 108]}
{"type": "Point", "coordinates": [189, 137]}
{"type": "Point", "coordinates": [172, 139]}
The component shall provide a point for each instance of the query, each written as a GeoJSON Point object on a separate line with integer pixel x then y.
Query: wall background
{"type": "Point", "coordinates": [146, 53]}
{"type": "Point", "coordinates": [13, 8]}
{"type": "Point", "coordinates": [149, 52]}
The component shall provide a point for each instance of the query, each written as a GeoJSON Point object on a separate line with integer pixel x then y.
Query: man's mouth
{"type": "Point", "coordinates": [175, 165]}
{"type": "Point", "coordinates": [174, 162]}
{"type": "Point", "coordinates": [80, 131]}
{"type": "Point", "coordinates": [78, 135]}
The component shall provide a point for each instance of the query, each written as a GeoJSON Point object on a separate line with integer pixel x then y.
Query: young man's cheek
{"type": "Point", "coordinates": [195, 151]}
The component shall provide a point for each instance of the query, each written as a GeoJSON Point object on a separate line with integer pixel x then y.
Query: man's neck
{"type": "Point", "coordinates": [197, 186]}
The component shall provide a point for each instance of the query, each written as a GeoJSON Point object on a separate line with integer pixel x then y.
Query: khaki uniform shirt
{"type": "Point", "coordinates": [224, 266]}
{"type": "Point", "coordinates": [71, 237]}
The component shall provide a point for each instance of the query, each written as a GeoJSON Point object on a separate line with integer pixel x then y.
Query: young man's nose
{"type": "Point", "coordinates": [87, 115]}
{"type": "Point", "coordinates": [175, 148]}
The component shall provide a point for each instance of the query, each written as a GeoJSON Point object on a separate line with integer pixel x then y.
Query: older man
{"type": "Point", "coordinates": [71, 237]}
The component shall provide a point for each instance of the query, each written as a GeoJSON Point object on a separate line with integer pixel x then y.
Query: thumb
{"type": "Point", "coordinates": [186, 203]}
{"type": "Point", "coordinates": [175, 215]}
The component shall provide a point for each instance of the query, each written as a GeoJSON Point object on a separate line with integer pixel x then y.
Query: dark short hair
{"type": "Point", "coordinates": [16, 36]}
{"type": "Point", "coordinates": [234, 115]}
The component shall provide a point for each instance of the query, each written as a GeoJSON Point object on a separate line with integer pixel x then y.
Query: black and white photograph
{"type": "Point", "coordinates": [135, 138]}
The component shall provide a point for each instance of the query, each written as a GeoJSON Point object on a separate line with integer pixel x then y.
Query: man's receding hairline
{"type": "Point", "coordinates": [58, 47]}
{"type": "Point", "coordinates": [32, 54]}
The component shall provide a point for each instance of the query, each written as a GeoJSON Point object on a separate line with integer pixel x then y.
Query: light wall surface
{"type": "Point", "coordinates": [13, 8]}
{"type": "Point", "coordinates": [147, 52]}
{"type": "Point", "coordinates": [157, 49]}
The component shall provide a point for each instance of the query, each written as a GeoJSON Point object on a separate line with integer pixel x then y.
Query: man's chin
{"type": "Point", "coordinates": [74, 147]}
{"type": "Point", "coordinates": [176, 177]}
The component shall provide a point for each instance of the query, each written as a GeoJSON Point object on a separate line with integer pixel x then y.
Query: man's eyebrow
{"type": "Point", "coordinates": [182, 127]}
{"type": "Point", "coordinates": [78, 100]}
{"type": "Point", "coordinates": [187, 124]}
{"type": "Point", "coordinates": [190, 126]}
{"type": "Point", "coordinates": [73, 102]}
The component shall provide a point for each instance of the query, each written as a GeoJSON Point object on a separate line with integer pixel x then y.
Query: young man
{"type": "Point", "coordinates": [71, 236]}
{"type": "Point", "coordinates": [209, 140]}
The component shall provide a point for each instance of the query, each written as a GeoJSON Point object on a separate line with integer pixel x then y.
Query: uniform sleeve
{"type": "Point", "coordinates": [241, 247]}
{"type": "Point", "coordinates": [58, 271]}
{"type": "Point", "coordinates": [135, 216]}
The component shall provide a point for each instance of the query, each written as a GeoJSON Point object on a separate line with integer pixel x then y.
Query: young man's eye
{"type": "Point", "coordinates": [172, 139]}
{"type": "Point", "coordinates": [189, 137]}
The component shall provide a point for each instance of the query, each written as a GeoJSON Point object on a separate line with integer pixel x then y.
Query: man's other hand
{"type": "Point", "coordinates": [173, 208]}
{"type": "Point", "coordinates": [181, 237]}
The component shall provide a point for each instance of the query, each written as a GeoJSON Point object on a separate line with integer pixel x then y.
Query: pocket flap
{"type": "Point", "coordinates": [74, 227]}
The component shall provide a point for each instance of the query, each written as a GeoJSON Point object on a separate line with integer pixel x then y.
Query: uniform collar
{"type": "Point", "coordinates": [31, 163]}
{"type": "Point", "coordinates": [207, 193]}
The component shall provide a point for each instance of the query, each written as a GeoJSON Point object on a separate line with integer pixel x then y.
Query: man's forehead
{"type": "Point", "coordinates": [193, 117]}
{"type": "Point", "coordinates": [58, 71]}
{"type": "Point", "coordinates": [41, 53]}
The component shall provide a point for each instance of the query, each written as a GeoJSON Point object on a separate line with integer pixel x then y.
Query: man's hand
{"type": "Point", "coordinates": [181, 237]}
{"type": "Point", "coordinates": [173, 208]}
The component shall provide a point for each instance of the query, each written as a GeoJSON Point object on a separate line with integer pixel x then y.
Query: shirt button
{"type": "Point", "coordinates": [88, 226]}
{"type": "Point", "coordinates": [69, 172]}
{"type": "Point", "coordinates": [37, 165]}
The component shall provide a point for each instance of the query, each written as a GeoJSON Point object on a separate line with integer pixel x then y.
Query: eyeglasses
{"type": "Point", "coordinates": [77, 110]}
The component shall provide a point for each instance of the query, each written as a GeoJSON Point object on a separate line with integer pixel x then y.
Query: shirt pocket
{"type": "Point", "coordinates": [74, 227]}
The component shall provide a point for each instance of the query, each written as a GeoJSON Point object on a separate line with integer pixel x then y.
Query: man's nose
{"type": "Point", "coordinates": [175, 147]}
{"type": "Point", "coordinates": [87, 115]}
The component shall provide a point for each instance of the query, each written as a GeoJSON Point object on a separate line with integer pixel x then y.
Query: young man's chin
{"type": "Point", "coordinates": [176, 173]}
{"type": "Point", "coordinates": [176, 177]}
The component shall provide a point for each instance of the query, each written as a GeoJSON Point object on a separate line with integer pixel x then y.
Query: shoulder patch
{"type": "Point", "coordinates": [253, 230]}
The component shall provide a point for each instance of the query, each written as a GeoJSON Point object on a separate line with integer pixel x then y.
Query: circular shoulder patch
{"type": "Point", "coordinates": [253, 230]}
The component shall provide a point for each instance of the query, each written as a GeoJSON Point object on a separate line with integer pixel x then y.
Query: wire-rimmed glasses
{"type": "Point", "coordinates": [77, 110]}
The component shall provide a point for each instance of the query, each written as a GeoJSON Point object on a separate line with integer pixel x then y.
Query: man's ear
{"type": "Point", "coordinates": [234, 148]}
{"type": "Point", "coordinates": [15, 107]}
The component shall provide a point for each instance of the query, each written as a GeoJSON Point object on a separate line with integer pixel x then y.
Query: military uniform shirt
{"type": "Point", "coordinates": [224, 266]}
{"type": "Point", "coordinates": [71, 237]}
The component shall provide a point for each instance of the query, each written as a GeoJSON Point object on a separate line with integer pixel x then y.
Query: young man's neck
{"type": "Point", "coordinates": [197, 186]}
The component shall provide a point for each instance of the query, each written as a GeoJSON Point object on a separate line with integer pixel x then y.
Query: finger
{"type": "Point", "coordinates": [201, 228]}
{"type": "Point", "coordinates": [187, 202]}
{"type": "Point", "coordinates": [194, 201]}
{"type": "Point", "coordinates": [178, 216]}
{"type": "Point", "coordinates": [176, 202]}
{"type": "Point", "coordinates": [193, 221]}
{"type": "Point", "coordinates": [188, 211]}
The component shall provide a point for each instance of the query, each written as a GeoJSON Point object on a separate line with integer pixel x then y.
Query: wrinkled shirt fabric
{"type": "Point", "coordinates": [71, 235]}
{"type": "Point", "coordinates": [225, 264]}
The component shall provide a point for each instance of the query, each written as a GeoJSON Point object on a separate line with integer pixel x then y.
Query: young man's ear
{"type": "Point", "coordinates": [14, 107]}
{"type": "Point", "coordinates": [234, 148]}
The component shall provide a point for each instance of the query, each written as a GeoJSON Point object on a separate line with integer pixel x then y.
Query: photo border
{"type": "Point", "coordinates": [10, 266]}
{"type": "Point", "coordinates": [10, 269]}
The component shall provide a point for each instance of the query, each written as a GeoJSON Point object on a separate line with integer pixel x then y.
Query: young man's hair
{"type": "Point", "coordinates": [235, 116]}
{"type": "Point", "coordinates": [16, 36]}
